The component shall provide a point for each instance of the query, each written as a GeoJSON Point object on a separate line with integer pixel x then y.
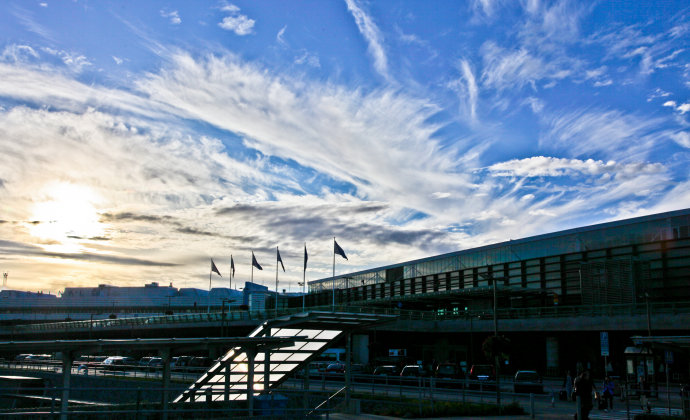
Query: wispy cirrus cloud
{"type": "Point", "coordinates": [372, 35]}
{"type": "Point", "coordinates": [587, 132]}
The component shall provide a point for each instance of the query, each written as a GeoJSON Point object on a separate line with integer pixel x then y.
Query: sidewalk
{"type": "Point", "coordinates": [545, 416]}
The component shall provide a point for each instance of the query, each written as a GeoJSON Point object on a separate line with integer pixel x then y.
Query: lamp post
{"type": "Point", "coordinates": [496, 362]}
{"type": "Point", "coordinates": [649, 318]}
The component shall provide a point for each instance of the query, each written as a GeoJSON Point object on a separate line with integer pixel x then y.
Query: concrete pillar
{"type": "Point", "coordinates": [165, 355]}
{"type": "Point", "coordinates": [251, 353]}
{"type": "Point", "coordinates": [348, 370]}
{"type": "Point", "coordinates": [360, 348]}
{"type": "Point", "coordinates": [67, 360]}
{"type": "Point", "coordinates": [552, 359]}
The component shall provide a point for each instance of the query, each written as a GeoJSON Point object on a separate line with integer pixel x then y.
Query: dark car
{"type": "Point", "coordinates": [482, 377]}
{"type": "Point", "coordinates": [336, 367]}
{"type": "Point", "coordinates": [412, 370]}
{"type": "Point", "coordinates": [449, 371]}
{"type": "Point", "coordinates": [386, 370]}
{"type": "Point", "coordinates": [528, 381]}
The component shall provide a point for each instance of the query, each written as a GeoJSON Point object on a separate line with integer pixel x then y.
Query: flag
{"type": "Point", "coordinates": [232, 266]}
{"type": "Point", "coordinates": [255, 263]}
{"type": "Point", "coordinates": [214, 269]}
{"type": "Point", "coordinates": [338, 250]}
{"type": "Point", "coordinates": [306, 257]}
{"type": "Point", "coordinates": [280, 260]}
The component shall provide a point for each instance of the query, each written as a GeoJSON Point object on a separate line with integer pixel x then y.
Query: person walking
{"type": "Point", "coordinates": [568, 386]}
{"type": "Point", "coordinates": [607, 393]}
{"type": "Point", "coordinates": [583, 387]}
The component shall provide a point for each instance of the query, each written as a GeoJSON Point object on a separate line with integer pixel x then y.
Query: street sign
{"type": "Point", "coordinates": [604, 338]}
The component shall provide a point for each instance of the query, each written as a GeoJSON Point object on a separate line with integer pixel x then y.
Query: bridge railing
{"type": "Point", "coordinates": [638, 309]}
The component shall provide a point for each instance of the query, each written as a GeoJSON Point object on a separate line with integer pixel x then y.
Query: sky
{"type": "Point", "coordinates": [138, 140]}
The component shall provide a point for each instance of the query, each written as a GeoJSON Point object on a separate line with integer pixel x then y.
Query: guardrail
{"type": "Point", "coordinates": [639, 309]}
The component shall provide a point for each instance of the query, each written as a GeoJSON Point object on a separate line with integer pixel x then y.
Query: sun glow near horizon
{"type": "Point", "coordinates": [66, 216]}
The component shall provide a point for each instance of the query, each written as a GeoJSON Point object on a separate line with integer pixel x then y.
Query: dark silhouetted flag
{"type": "Point", "coordinates": [214, 269]}
{"type": "Point", "coordinates": [280, 260]}
{"type": "Point", "coordinates": [306, 257]}
{"type": "Point", "coordinates": [232, 266]}
{"type": "Point", "coordinates": [255, 263]}
{"type": "Point", "coordinates": [338, 250]}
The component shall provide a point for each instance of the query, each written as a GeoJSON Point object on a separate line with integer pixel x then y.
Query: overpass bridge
{"type": "Point", "coordinates": [549, 339]}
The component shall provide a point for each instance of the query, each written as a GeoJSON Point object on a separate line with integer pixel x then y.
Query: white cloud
{"type": "Point", "coordinates": [174, 16]}
{"type": "Point", "coordinates": [467, 89]}
{"type": "Point", "coordinates": [587, 132]}
{"type": "Point", "coordinates": [682, 108]}
{"type": "Point", "coordinates": [18, 53]}
{"type": "Point", "coordinates": [682, 138]}
{"type": "Point", "coordinates": [117, 60]}
{"type": "Point", "coordinates": [441, 195]}
{"type": "Point", "coordinates": [540, 166]}
{"type": "Point", "coordinates": [281, 35]}
{"type": "Point", "coordinates": [238, 23]}
{"type": "Point", "coordinates": [658, 93]}
{"type": "Point", "coordinates": [510, 69]}
{"type": "Point", "coordinates": [74, 61]}
{"type": "Point", "coordinates": [372, 35]}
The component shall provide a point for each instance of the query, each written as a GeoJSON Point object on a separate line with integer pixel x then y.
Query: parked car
{"type": "Point", "coordinates": [482, 377]}
{"type": "Point", "coordinates": [118, 363]}
{"type": "Point", "coordinates": [144, 362]}
{"type": "Point", "coordinates": [386, 370]}
{"type": "Point", "coordinates": [528, 381]}
{"type": "Point", "coordinates": [156, 363]}
{"type": "Point", "coordinates": [336, 367]}
{"type": "Point", "coordinates": [449, 371]}
{"type": "Point", "coordinates": [412, 370]}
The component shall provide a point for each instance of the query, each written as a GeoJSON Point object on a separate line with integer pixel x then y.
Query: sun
{"type": "Point", "coordinates": [66, 215]}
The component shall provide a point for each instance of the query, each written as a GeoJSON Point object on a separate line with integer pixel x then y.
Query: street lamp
{"type": "Point", "coordinates": [222, 316]}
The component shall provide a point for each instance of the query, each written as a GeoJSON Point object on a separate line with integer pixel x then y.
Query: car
{"type": "Point", "coordinates": [118, 363]}
{"type": "Point", "coordinates": [448, 371]}
{"type": "Point", "coordinates": [413, 370]}
{"type": "Point", "coordinates": [336, 367]}
{"type": "Point", "coordinates": [527, 381]}
{"type": "Point", "coordinates": [482, 377]}
{"type": "Point", "coordinates": [156, 363]}
{"type": "Point", "coordinates": [386, 370]}
{"type": "Point", "coordinates": [144, 362]}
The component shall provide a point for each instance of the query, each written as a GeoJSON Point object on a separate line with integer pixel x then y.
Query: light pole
{"type": "Point", "coordinates": [496, 362]}
{"type": "Point", "coordinates": [649, 318]}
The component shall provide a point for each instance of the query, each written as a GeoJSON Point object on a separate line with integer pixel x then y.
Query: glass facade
{"type": "Point", "coordinates": [614, 262]}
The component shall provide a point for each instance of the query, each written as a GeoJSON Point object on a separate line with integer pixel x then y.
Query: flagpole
{"type": "Point", "coordinates": [333, 281]}
{"type": "Point", "coordinates": [277, 282]}
{"type": "Point", "coordinates": [304, 276]}
{"type": "Point", "coordinates": [252, 280]}
{"type": "Point", "coordinates": [230, 276]}
{"type": "Point", "coordinates": [208, 298]}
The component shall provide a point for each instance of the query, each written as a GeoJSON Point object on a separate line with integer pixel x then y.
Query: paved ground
{"type": "Point", "coordinates": [594, 415]}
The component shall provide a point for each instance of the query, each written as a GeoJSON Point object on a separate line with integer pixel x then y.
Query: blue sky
{"type": "Point", "coordinates": [140, 139]}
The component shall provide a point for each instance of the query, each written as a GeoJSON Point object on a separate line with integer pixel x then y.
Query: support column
{"type": "Point", "coordinates": [348, 370]}
{"type": "Point", "coordinates": [165, 355]}
{"type": "Point", "coordinates": [251, 353]}
{"type": "Point", "coordinates": [67, 360]}
{"type": "Point", "coordinates": [267, 371]}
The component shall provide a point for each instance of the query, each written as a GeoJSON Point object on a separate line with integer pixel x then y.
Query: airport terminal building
{"type": "Point", "coordinates": [556, 294]}
{"type": "Point", "coordinates": [621, 262]}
